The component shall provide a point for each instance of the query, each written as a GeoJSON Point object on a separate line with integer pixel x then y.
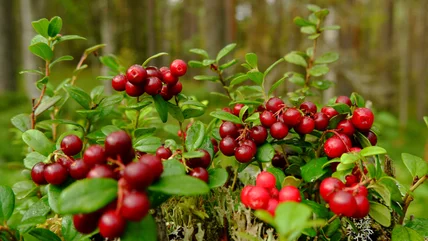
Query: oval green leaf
{"type": "Point", "coordinates": [180, 185]}
{"type": "Point", "coordinates": [7, 203]}
{"type": "Point", "coordinates": [217, 177]}
{"type": "Point", "coordinates": [265, 152]}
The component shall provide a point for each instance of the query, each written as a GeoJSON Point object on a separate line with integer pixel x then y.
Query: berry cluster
{"type": "Point", "coordinates": [264, 195]}
{"type": "Point", "coordinates": [345, 200]}
{"type": "Point", "coordinates": [151, 80]}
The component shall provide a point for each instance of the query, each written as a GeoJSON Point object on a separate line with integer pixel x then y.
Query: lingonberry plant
{"type": "Point", "coordinates": [265, 167]}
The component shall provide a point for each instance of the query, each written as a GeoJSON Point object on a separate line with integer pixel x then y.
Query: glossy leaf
{"type": "Point", "coordinates": [53, 196]}
{"type": "Point", "coordinates": [265, 152]}
{"type": "Point", "coordinates": [301, 22]}
{"type": "Point", "coordinates": [296, 59]}
{"type": "Point", "coordinates": [43, 234]}
{"type": "Point", "coordinates": [175, 112]}
{"type": "Point", "coordinates": [173, 167]}
{"type": "Point", "coordinates": [228, 64]}
{"type": "Point", "coordinates": [7, 203]}
{"type": "Point", "coordinates": [420, 225]}
{"type": "Point", "coordinates": [79, 95]}
{"type": "Point", "coordinates": [180, 185]}
{"type": "Point", "coordinates": [22, 122]}
{"type": "Point", "coordinates": [402, 233]}
{"type": "Point", "coordinates": [322, 84]}
{"type": "Point", "coordinates": [357, 100]}
{"type": "Point", "coordinates": [291, 218]}
{"type": "Point", "coordinates": [416, 165]}
{"type": "Point", "coordinates": [206, 77]}
{"type": "Point", "coordinates": [60, 59]}
{"type": "Point", "coordinates": [217, 177]}
{"type": "Point", "coordinates": [195, 136]}
{"type": "Point", "coordinates": [238, 79]}
{"type": "Point", "coordinates": [341, 108]}
{"type": "Point", "coordinates": [383, 192]}
{"type": "Point", "coordinates": [255, 76]}
{"type": "Point", "coordinates": [380, 214]}
{"type": "Point", "coordinates": [318, 70]}
{"type": "Point", "coordinates": [55, 26]}
{"type": "Point", "coordinates": [251, 59]}
{"type": "Point", "coordinates": [70, 37]}
{"type": "Point", "coordinates": [39, 209]}
{"type": "Point", "coordinates": [68, 231]}
{"type": "Point", "coordinates": [162, 107]}
{"type": "Point", "coordinates": [226, 116]}
{"type": "Point", "coordinates": [32, 159]}
{"type": "Point", "coordinates": [372, 151]}
{"type": "Point", "coordinates": [38, 142]}
{"type": "Point", "coordinates": [279, 176]}
{"type": "Point", "coordinates": [313, 170]}
{"type": "Point", "coordinates": [226, 50]}
{"type": "Point", "coordinates": [195, 64]}
{"type": "Point", "coordinates": [41, 26]}
{"type": "Point", "coordinates": [148, 144]}
{"type": "Point", "coordinates": [327, 58]}
{"type": "Point", "coordinates": [201, 52]}
{"type": "Point", "coordinates": [47, 103]}
{"type": "Point", "coordinates": [42, 50]}
{"type": "Point", "coordinates": [145, 230]}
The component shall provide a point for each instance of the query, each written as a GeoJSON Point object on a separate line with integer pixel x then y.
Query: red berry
{"type": "Point", "coordinates": [136, 74]}
{"type": "Point", "coordinates": [71, 145]}
{"type": "Point", "coordinates": [203, 161]}
{"type": "Point", "coordinates": [306, 126]}
{"type": "Point", "coordinates": [118, 143]}
{"type": "Point", "coordinates": [175, 89]}
{"type": "Point", "coordinates": [153, 86]}
{"type": "Point", "coordinates": [363, 207]}
{"type": "Point", "coordinates": [308, 107]}
{"type": "Point", "coordinates": [228, 128]}
{"type": "Point", "coordinates": [346, 127]}
{"type": "Point", "coordinates": [152, 71]}
{"type": "Point", "coordinates": [94, 155]}
{"type": "Point", "coordinates": [134, 90]}
{"type": "Point", "coordinates": [119, 82]}
{"type": "Point", "coordinates": [358, 189]}
{"type": "Point", "coordinates": [163, 69]}
{"type": "Point", "coordinates": [266, 180]}
{"type": "Point", "coordinates": [128, 157]}
{"type": "Point", "coordinates": [154, 163]}
{"type": "Point", "coordinates": [329, 111]}
{"type": "Point", "coordinates": [138, 175]}
{"type": "Point", "coordinates": [244, 153]}
{"type": "Point", "coordinates": [200, 173]}
{"type": "Point", "coordinates": [165, 93]}
{"type": "Point", "coordinates": [271, 207]}
{"type": "Point", "coordinates": [215, 145]}
{"type": "Point", "coordinates": [334, 147]}
{"type": "Point", "coordinates": [345, 139]}
{"type": "Point", "coordinates": [259, 134]}
{"type": "Point", "coordinates": [101, 171]}
{"type": "Point", "coordinates": [371, 136]}
{"type": "Point", "coordinates": [342, 203]}
{"type": "Point", "coordinates": [329, 186]}
{"type": "Point", "coordinates": [227, 146]}
{"type": "Point", "coordinates": [135, 206]}
{"type": "Point", "coordinates": [355, 149]}
{"type": "Point", "coordinates": [274, 193]}
{"type": "Point", "coordinates": [362, 119]}
{"type": "Point", "coordinates": [237, 108]}
{"type": "Point", "coordinates": [321, 121]}
{"type": "Point", "coordinates": [249, 143]}
{"type": "Point", "coordinates": [278, 130]}
{"type": "Point", "coordinates": [244, 195]}
{"type": "Point", "coordinates": [274, 104]}
{"type": "Point", "coordinates": [65, 161]}
{"type": "Point", "coordinates": [79, 169]}
{"type": "Point", "coordinates": [37, 173]}
{"type": "Point", "coordinates": [292, 117]}
{"type": "Point", "coordinates": [86, 223]}
{"type": "Point", "coordinates": [163, 153]}
{"type": "Point", "coordinates": [278, 160]}
{"type": "Point", "coordinates": [111, 225]}
{"type": "Point", "coordinates": [289, 194]}
{"type": "Point", "coordinates": [344, 99]}
{"type": "Point", "coordinates": [267, 118]}
{"type": "Point", "coordinates": [169, 78]}
{"type": "Point", "coordinates": [258, 198]}
{"type": "Point", "coordinates": [350, 180]}
{"type": "Point", "coordinates": [178, 67]}
{"type": "Point", "coordinates": [55, 173]}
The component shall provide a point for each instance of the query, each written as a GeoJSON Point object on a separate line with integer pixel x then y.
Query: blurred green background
{"type": "Point", "coordinates": [382, 45]}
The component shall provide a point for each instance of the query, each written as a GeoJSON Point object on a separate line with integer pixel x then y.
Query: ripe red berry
{"type": "Point", "coordinates": [358, 189]}
{"type": "Point", "coordinates": [37, 173]}
{"type": "Point", "coordinates": [289, 194]}
{"type": "Point", "coordinates": [154, 163]}
{"type": "Point", "coordinates": [371, 136]}
{"type": "Point", "coordinates": [306, 126]}
{"type": "Point", "coordinates": [175, 89]}
{"type": "Point", "coordinates": [153, 86]}
{"type": "Point", "coordinates": [228, 128]}
{"type": "Point", "coordinates": [169, 78]}
{"type": "Point", "coordinates": [134, 90]}
{"type": "Point", "coordinates": [346, 127]}
{"type": "Point", "coordinates": [258, 198]}
{"type": "Point", "coordinates": [267, 118]}
{"type": "Point", "coordinates": [163, 153]}
{"type": "Point", "coordinates": [136, 74]}
{"type": "Point", "coordinates": [278, 130]}
{"type": "Point", "coordinates": [351, 180]}
{"type": "Point", "coordinates": [138, 175]}
{"type": "Point", "coordinates": [135, 206]}
{"type": "Point", "coordinates": [203, 161]}
{"type": "Point", "coordinates": [163, 69]}
{"type": "Point", "coordinates": [165, 93]}
{"type": "Point", "coordinates": [65, 161]}
{"type": "Point", "coordinates": [86, 223]}
{"type": "Point", "coordinates": [228, 145]}
{"type": "Point", "coordinates": [292, 117]}
{"type": "Point", "coordinates": [363, 207]}
{"type": "Point", "coordinates": [342, 203]}
{"type": "Point", "coordinates": [259, 134]}
{"type": "Point", "coordinates": [94, 155]}
{"type": "Point", "coordinates": [271, 207]}
{"type": "Point", "coordinates": [308, 107]}
{"type": "Point", "coordinates": [274, 104]}
{"type": "Point", "coordinates": [244, 153]}
{"type": "Point", "coordinates": [266, 180]}
{"type": "Point", "coordinates": [79, 169]}
{"type": "Point", "coordinates": [329, 111]}
{"type": "Point", "coordinates": [199, 172]}
{"type": "Point", "coordinates": [119, 82]}
{"type": "Point", "coordinates": [152, 71]}
{"type": "Point", "coordinates": [321, 121]}
{"type": "Point", "coordinates": [71, 145]}
{"type": "Point", "coordinates": [274, 193]}
{"type": "Point", "coordinates": [101, 171]}
{"type": "Point", "coordinates": [55, 173]}
{"type": "Point", "coordinates": [362, 119]}
{"type": "Point", "coordinates": [244, 195]}
{"type": "Point", "coordinates": [329, 186]}
{"type": "Point", "coordinates": [344, 99]}
{"type": "Point", "coordinates": [118, 143]}
{"type": "Point", "coordinates": [111, 225]}
{"type": "Point", "coordinates": [336, 146]}
{"type": "Point", "coordinates": [249, 143]}
{"type": "Point", "coordinates": [237, 108]}
{"type": "Point", "coordinates": [278, 160]}
{"type": "Point", "coordinates": [345, 139]}
{"type": "Point", "coordinates": [178, 67]}
{"type": "Point", "coordinates": [354, 149]}
{"type": "Point", "coordinates": [227, 109]}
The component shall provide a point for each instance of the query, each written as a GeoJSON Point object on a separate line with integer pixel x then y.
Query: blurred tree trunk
{"type": "Point", "coordinates": [107, 36]}
{"type": "Point", "coordinates": [421, 86]}
{"type": "Point", "coordinates": [405, 63]}
{"type": "Point", "coordinates": [150, 28]}
{"type": "Point", "coordinates": [230, 6]}
{"type": "Point", "coordinates": [331, 39]}
{"type": "Point", "coordinates": [7, 67]}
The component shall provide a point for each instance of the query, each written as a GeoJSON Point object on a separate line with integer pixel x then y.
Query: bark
{"type": "Point", "coordinates": [151, 34]}
{"type": "Point", "coordinates": [107, 34]}
{"type": "Point", "coordinates": [405, 65]}
{"type": "Point", "coordinates": [7, 67]}
{"type": "Point", "coordinates": [331, 39]}
{"type": "Point", "coordinates": [230, 7]}
{"type": "Point", "coordinates": [421, 85]}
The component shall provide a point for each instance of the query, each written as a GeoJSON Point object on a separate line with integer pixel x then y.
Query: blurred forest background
{"type": "Point", "coordinates": [382, 45]}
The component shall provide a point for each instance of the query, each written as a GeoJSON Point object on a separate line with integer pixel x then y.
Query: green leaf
{"type": "Point", "coordinates": [420, 225]}
{"type": "Point", "coordinates": [47, 103]}
{"type": "Point", "coordinates": [401, 233]}
{"type": "Point", "coordinates": [38, 142]}
{"type": "Point", "coordinates": [94, 48]}
{"type": "Point", "coordinates": [53, 196]}
{"type": "Point", "coordinates": [301, 22]}
{"type": "Point", "coordinates": [392, 185]}
{"type": "Point", "coordinates": [291, 218]}
{"type": "Point", "coordinates": [39, 209]}
{"type": "Point", "coordinates": [223, 52]}
{"type": "Point", "coordinates": [327, 58]}
{"type": "Point", "coordinates": [21, 122]}
{"type": "Point", "coordinates": [195, 136]}
{"type": "Point", "coordinates": [180, 185]}
{"type": "Point", "coordinates": [297, 79]}
{"type": "Point", "coordinates": [380, 214]}
{"type": "Point", "coordinates": [145, 230]}
{"type": "Point", "coordinates": [265, 216]}
{"type": "Point", "coordinates": [32, 159]}
{"type": "Point", "coordinates": [277, 84]}
{"type": "Point", "coordinates": [111, 62]}
{"type": "Point", "coordinates": [201, 52]}
{"type": "Point", "coordinates": [60, 59]}
{"type": "Point", "coordinates": [161, 107]}
{"type": "Point", "coordinates": [69, 37]}
{"type": "Point", "coordinates": [322, 84]}
{"type": "Point", "coordinates": [55, 26]}
{"type": "Point", "coordinates": [192, 154]}
{"type": "Point", "coordinates": [144, 132]}
{"type": "Point", "coordinates": [341, 108]}
{"type": "Point", "coordinates": [148, 144]}
{"type": "Point", "coordinates": [238, 79]}
{"type": "Point", "coordinates": [195, 64]}
{"type": "Point", "coordinates": [41, 26]}
{"type": "Point", "coordinates": [416, 166]}
{"type": "Point", "coordinates": [313, 7]}
{"type": "Point", "coordinates": [291, 180]}
{"type": "Point", "coordinates": [7, 203]}
{"type": "Point", "coordinates": [349, 158]}
{"type": "Point", "coordinates": [217, 177]}
{"type": "Point", "coordinates": [363, 140]}
{"type": "Point", "coordinates": [42, 50]}
{"type": "Point", "coordinates": [79, 95]}
{"type": "Point", "coordinates": [208, 62]}
{"type": "Point", "coordinates": [308, 30]}
{"type": "Point", "coordinates": [313, 170]}
{"type": "Point", "coordinates": [265, 152]}
{"type": "Point", "coordinates": [357, 100]}
{"type": "Point", "coordinates": [319, 210]}
{"type": "Point", "coordinates": [426, 120]}
{"type": "Point", "coordinates": [251, 59]}
{"type": "Point", "coordinates": [226, 116]}
{"type": "Point", "coordinates": [175, 112]}
{"type": "Point", "coordinates": [228, 64]}
{"type": "Point", "coordinates": [383, 192]}
{"type": "Point", "coordinates": [173, 167]}
{"type": "Point", "coordinates": [23, 189]}
{"type": "Point", "coordinates": [193, 112]}
{"type": "Point", "coordinates": [321, 14]}
{"type": "Point", "coordinates": [206, 78]}
{"type": "Point", "coordinates": [296, 59]}
{"type": "Point", "coordinates": [256, 76]}
{"type": "Point", "coordinates": [372, 151]}
{"type": "Point", "coordinates": [31, 71]}
{"type": "Point", "coordinates": [314, 36]}
{"type": "Point", "coordinates": [44, 234]}
{"type": "Point", "coordinates": [82, 197]}
{"type": "Point", "coordinates": [68, 231]}
{"type": "Point", "coordinates": [255, 117]}
{"type": "Point", "coordinates": [279, 176]}
{"type": "Point", "coordinates": [318, 70]}
{"type": "Point", "coordinates": [332, 27]}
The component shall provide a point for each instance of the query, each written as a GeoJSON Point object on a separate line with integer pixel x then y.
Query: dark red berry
{"type": "Point", "coordinates": [153, 86]}
{"type": "Point", "coordinates": [344, 99]}
{"type": "Point", "coordinates": [237, 108]}
{"type": "Point", "coordinates": [163, 153]}
{"type": "Point", "coordinates": [203, 161]}
{"type": "Point", "coordinates": [175, 89]}
{"type": "Point", "coordinates": [94, 155]}
{"type": "Point", "coordinates": [363, 207]}
{"type": "Point", "coordinates": [165, 93]}
{"type": "Point", "coordinates": [86, 223]}
{"type": "Point", "coordinates": [135, 206]}
{"type": "Point", "coordinates": [358, 189]}
{"type": "Point", "coordinates": [249, 143]}
{"type": "Point", "coordinates": [289, 194]}
{"type": "Point", "coordinates": [79, 169]}
{"type": "Point", "coordinates": [266, 180]}
{"type": "Point", "coordinates": [129, 157]}
{"type": "Point", "coordinates": [267, 118]}
{"type": "Point", "coordinates": [329, 111]}
{"type": "Point", "coordinates": [119, 82]}
{"type": "Point", "coordinates": [351, 180]}
{"type": "Point", "coordinates": [274, 193]}
{"type": "Point", "coordinates": [134, 90]}
{"type": "Point", "coordinates": [138, 175]}
{"type": "Point", "coordinates": [228, 145]}
{"type": "Point", "coordinates": [118, 143]}
{"type": "Point", "coordinates": [228, 128]}
{"type": "Point", "coordinates": [244, 195]}
{"type": "Point", "coordinates": [278, 160]}
{"type": "Point", "coordinates": [163, 69]}
{"type": "Point", "coordinates": [306, 126]}
{"type": "Point", "coordinates": [308, 107]}
{"type": "Point", "coordinates": [346, 127]}
{"type": "Point", "coordinates": [55, 173]}
{"type": "Point", "coordinates": [362, 119]}
{"type": "Point", "coordinates": [274, 104]}
{"type": "Point", "coordinates": [37, 173]}
{"type": "Point", "coordinates": [258, 198]}
{"type": "Point", "coordinates": [136, 74]}
{"type": "Point", "coordinates": [200, 173]}
{"type": "Point", "coordinates": [342, 203]}
{"type": "Point", "coordinates": [292, 117]}
{"type": "Point", "coordinates": [259, 134]}
{"type": "Point", "coordinates": [152, 71]}
{"type": "Point", "coordinates": [111, 225]}
{"type": "Point", "coordinates": [334, 147]}
{"type": "Point", "coordinates": [329, 186]}
{"type": "Point", "coordinates": [178, 67]}
{"type": "Point", "coordinates": [65, 161]}
{"type": "Point", "coordinates": [278, 130]}
{"type": "Point", "coordinates": [169, 78]}
{"type": "Point", "coordinates": [227, 109]}
{"type": "Point", "coordinates": [101, 171]}
{"type": "Point", "coordinates": [371, 136]}
{"type": "Point", "coordinates": [244, 153]}
{"type": "Point", "coordinates": [71, 145]}
{"type": "Point", "coordinates": [154, 163]}
{"type": "Point", "coordinates": [273, 203]}
{"type": "Point", "coordinates": [321, 121]}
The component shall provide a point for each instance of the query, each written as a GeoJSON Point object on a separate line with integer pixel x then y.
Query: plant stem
{"type": "Point", "coordinates": [312, 58]}
{"type": "Point", "coordinates": [235, 177]}
{"type": "Point", "coordinates": [220, 76]}
{"type": "Point", "coordinates": [82, 59]}
{"type": "Point", "coordinates": [137, 118]}
{"type": "Point", "coordinates": [408, 198]}
{"type": "Point", "coordinates": [39, 101]}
